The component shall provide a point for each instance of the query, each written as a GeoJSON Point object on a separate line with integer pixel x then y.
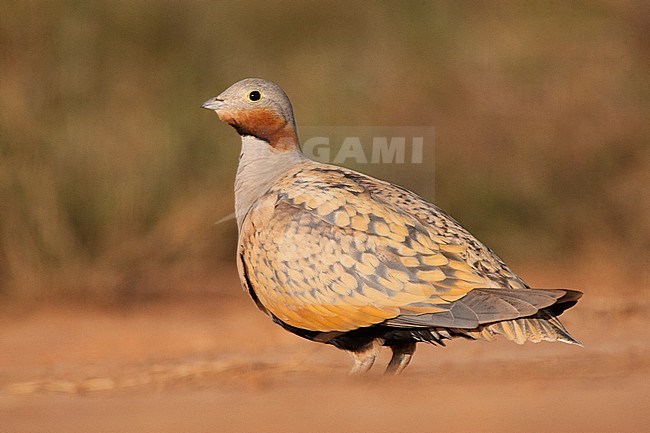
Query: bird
{"type": "Point", "coordinates": [339, 257]}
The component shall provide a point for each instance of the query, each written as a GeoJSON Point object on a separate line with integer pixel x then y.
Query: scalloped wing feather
{"type": "Point", "coordinates": [330, 249]}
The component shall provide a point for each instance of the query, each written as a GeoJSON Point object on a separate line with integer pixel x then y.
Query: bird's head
{"type": "Point", "coordinates": [257, 108]}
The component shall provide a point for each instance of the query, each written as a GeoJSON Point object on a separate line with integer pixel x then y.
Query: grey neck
{"type": "Point", "coordinates": [259, 167]}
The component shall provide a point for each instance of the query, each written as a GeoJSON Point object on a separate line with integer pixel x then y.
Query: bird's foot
{"type": "Point", "coordinates": [402, 354]}
{"type": "Point", "coordinates": [365, 358]}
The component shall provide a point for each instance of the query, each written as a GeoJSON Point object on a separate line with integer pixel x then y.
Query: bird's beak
{"type": "Point", "coordinates": [213, 104]}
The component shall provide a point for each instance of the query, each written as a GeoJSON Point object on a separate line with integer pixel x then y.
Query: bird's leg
{"type": "Point", "coordinates": [402, 354]}
{"type": "Point", "coordinates": [364, 358]}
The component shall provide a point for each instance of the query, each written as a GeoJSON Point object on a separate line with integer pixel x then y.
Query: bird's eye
{"type": "Point", "coordinates": [254, 96]}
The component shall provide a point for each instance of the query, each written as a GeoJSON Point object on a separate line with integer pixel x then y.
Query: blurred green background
{"type": "Point", "coordinates": [111, 176]}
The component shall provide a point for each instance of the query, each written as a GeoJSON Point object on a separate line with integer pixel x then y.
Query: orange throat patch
{"type": "Point", "coordinates": [263, 124]}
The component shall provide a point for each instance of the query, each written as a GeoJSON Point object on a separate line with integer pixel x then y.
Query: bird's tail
{"type": "Point", "coordinates": [542, 326]}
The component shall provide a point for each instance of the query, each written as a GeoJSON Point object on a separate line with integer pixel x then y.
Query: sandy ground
{"type": "Point", "coordinates": [219, 365]}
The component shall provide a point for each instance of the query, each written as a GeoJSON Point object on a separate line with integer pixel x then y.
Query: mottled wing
{"type": "Point", "coordinates": [321, 253]}
{"type": "Point", "coordinates": [476, 255]}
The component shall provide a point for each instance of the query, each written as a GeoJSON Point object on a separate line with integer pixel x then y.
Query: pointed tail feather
{"type": "Point", "coordinates": [519, 315]}
{"type": "Point", "coordinates": [543, 326]}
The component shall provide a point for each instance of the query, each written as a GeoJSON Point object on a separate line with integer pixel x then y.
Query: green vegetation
{"type": "Point", "coordinates": [111, 177]}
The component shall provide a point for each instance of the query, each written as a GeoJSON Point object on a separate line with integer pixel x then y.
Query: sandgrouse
{"type": "Point", "coordinates": [341, 258]}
